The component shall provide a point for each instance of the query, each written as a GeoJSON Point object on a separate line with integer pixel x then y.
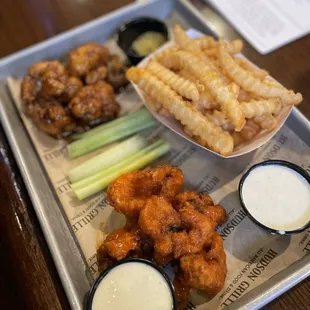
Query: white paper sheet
{"type": "Point", "coordinates": [267, 24]}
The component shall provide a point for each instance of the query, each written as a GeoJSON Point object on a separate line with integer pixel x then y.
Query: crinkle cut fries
{"type": "Point", "coordinates": [222, 100]}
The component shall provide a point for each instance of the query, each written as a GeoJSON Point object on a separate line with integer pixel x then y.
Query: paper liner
{"type": "Point", "coordinates": [253, 256]}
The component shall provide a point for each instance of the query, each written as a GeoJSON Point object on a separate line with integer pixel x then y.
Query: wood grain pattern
{"type": "Point", "coordinates": [28, 276]}
{"type": "Point", "coordinates": [25, 22]}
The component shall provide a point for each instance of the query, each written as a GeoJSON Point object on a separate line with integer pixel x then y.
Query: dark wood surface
{"type": "Point", "coordinates": [28, 278]}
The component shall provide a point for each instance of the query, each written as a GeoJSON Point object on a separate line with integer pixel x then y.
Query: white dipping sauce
{"type": "Point", "coordinates": [277, 197]}
{"type": "Point", "coordinates": [133, 286]}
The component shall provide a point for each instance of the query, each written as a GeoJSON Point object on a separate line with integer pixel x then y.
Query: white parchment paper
{"type": "Point", "coordinates": [253, 255]}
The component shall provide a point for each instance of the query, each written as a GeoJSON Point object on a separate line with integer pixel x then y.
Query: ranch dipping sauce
{"type": "Point", "coordinates": [277, 196]}
{"type": "Point", "coordinates": [133, 286]}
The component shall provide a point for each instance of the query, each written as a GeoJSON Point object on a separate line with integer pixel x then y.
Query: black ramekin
{"type": "Point", "coordinates": [129, 31]}
{"type": "Point", "coordinates": [284, 163]}
{"type": "Point", "coordinates": [130, 260]}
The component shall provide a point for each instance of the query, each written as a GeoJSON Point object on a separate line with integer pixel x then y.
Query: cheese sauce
{"type": "Point", "coordinates": [277, 197]}
{"type": "Point", "coordinates": [133, 286]}
{"type": "Point", "coordinates": [148, 42]}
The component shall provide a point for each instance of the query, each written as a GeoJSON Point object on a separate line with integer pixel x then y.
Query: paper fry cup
{"type": "Point", "coordinates": [170, 122]}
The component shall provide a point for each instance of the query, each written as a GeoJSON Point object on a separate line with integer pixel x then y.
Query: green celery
{"type": "Point", "coordinates": [128, 160]}
{"type": "Point", "coordinates": [91, 143]}
{"type": "Point", "coordinates": [103, 183]}
{"type": "Point", "coordinates": [108, 158]}
{"type": "Point", "coordinates": [142, 112]}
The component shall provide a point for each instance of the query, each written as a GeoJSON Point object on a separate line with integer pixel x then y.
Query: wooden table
{"type": "Point", "coordinates": [28, 276]}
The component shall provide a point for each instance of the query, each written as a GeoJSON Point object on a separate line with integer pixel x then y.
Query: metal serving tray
{"type": "Point", "coordinates": [72, 268]}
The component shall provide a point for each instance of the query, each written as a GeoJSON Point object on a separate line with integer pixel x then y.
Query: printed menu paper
{"type": "Point", "coordinates": [266, 24]}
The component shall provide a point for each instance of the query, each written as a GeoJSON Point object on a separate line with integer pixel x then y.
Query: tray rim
{"type": "Point", "coordinates": [255, 299]}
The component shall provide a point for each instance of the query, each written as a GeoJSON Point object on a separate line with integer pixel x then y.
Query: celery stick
{"type": "Point", "coordinates": [107, 158]}
{"type": "Point", "coordinates": [128, 160]}
{"type": "Point", "coordinates": [142, 112]}
{"type": "Point", "coordinates": [91, 143]}
{"type": "Point", "coordinates": [103, 183]}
